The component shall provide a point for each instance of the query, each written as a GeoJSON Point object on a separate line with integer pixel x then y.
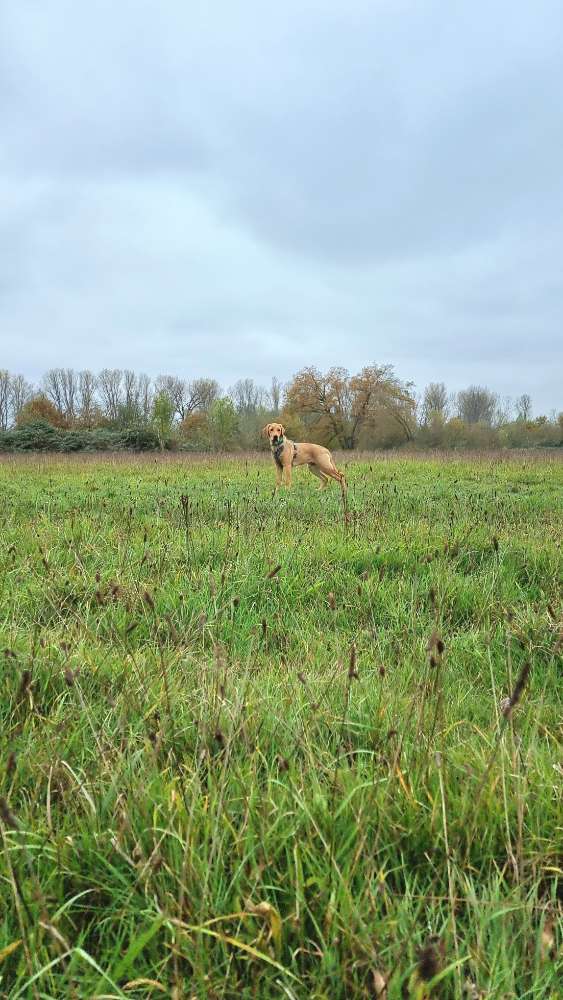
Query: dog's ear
{"type": "Point", "coordinates": [282, 429]}
{"type": "Point", "coordinates": [265, 430]}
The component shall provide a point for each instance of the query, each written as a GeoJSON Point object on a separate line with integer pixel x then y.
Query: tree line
{"type": "Point", "coordinates": [119, 408]}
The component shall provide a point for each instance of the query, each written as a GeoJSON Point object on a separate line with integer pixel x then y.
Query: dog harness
{"type": "Point", "coordinates": [278, 452]}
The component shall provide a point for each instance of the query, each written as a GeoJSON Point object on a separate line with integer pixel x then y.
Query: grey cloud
{"type": "Point", "coordinates": [238, 189]}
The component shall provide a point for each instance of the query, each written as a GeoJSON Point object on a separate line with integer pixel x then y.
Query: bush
{"type": "Point", "coordinates": [194, 433]}
{"type": "Point", "coordinates": [223, 425]}
{"type": "Point", "coordinates": [102, 439]}
{"type": "Point", "coordinates": [539, 433]}
{"type": "Point", "coordinates": [456, 433]}
{"type": "Point", "coordinates": [36, 436]}
{"type": "Point", "coordinates": [6, 441]}
{"type": "Point", "coordinates": [42, 436]}
{"type": "Point", "coordinates": [140, 438]}
{"type": "Point", "coordinates": [73, 441]}
{"type": "Point", "coordinates": [432, 433]}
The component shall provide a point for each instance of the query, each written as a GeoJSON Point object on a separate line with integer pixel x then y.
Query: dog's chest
{"type": "Point", "coordinates": [279, 450]}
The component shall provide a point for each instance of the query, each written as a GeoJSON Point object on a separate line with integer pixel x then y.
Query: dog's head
{"type": "Point", "coordinates": [275, 433]}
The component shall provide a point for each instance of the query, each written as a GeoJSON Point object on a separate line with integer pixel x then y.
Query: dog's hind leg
{"type": "Point", "coordinates": [320, 475]}
{"type": "Point", "coordinates": [341, 476]}
{"type": "Point", "coordinates": [334, 473]}
{"type": "Point", "coordinates": [328, 468]}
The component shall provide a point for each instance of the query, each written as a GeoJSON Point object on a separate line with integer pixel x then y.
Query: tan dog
{"type": "Point", "coordinates": [287, 453]}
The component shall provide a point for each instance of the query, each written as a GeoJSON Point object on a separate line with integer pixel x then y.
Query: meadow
{"type": "Point", "coordinates": [265, 746]}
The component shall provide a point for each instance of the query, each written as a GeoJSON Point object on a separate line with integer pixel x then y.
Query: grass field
{"type": "Point", "coordinates": [254, 747]}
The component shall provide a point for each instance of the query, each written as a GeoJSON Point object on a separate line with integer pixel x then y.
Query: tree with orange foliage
{"type": "Point", "coordinates": [40, 408]}
{"type": "Point", "coordinates": [337, 406]}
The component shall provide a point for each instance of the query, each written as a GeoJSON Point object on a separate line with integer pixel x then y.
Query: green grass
{"type": "Point", "coordinates": [234, 760]}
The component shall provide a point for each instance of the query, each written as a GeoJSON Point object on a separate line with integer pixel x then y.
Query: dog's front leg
{"type": "Point", "coordinates": [287, 476]}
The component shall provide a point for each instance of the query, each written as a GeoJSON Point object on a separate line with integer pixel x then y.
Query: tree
{"type": "Point", "coordinates": [251, 405]}
{"type": "Point", "coordinates": [247, 396]}
{"type": "Point", "coordinates": [52, 387]}
{"type": "Point", "coordinates": [276, 389]}
{"type": "Point", "coordinates": [178, 392]}
{"type": "Point", "coordinates": [203, 392]}
{"type": "Point", "coordinates": [5, 384]}
{"type": "Point", "coordinates": [21, 391]}
{"type": "Point", "coordinates": [146, 396]}
{"type": "Point", "coordinates": [477, 405]}
{"type": "Point", "coordinates": [432, 431]}
{"type": "Point", "coordinates": [503, 411]}
{"type": "Point", "coordinates": [338, 407]}
{"type": "Point", "coordinates": [135, 400]}
{"type": "Point", "coordinates": [222, 424]}
{"type": "Point", "coordinates": [70, 393]}
{"type": "Point", "coordinates": [110, 389]}
{"type": "Point", "coordinates": [435, 401]}
{"type": "Point", "coordinates": [43, 410]}
{"type": "Point", "coordinates": [163, 415]}
{"type": "Point", "coordinates": [524, 408]}
{"type": "Point", "coordinates": [131, 392]}
{"type": "Point", "coordinates": [87, 385]}
{"type": "Point", "coordinates": [61, 386]}
{"type": "Point", "coordinates": [194, 429]}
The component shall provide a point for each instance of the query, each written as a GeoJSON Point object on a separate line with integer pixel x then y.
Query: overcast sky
{"type": "Point", "coordinates": [242, 188]}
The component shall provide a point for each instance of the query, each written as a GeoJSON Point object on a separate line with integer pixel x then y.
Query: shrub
{"type": "Point", "coordinates": [36, 436]}
{"type": "Point", "coordinates": [194, 432]}
{"type": "Point", "coordinates": [103, 439]}
{"type": "Point", "coordinates": [163, 415]}
{"type": "Point", "coordinates": [432, 433]}
{"type": "Point", "coordinates": [6, 441]}
{"type": "Point", "coordinates": [140, 438]}
{"type": "Point", "coordinates": [455, 433]}
{"type": "Point", "coordinates": [73, 441]}
{"type": "Point", "coordinates": [223, 425]}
